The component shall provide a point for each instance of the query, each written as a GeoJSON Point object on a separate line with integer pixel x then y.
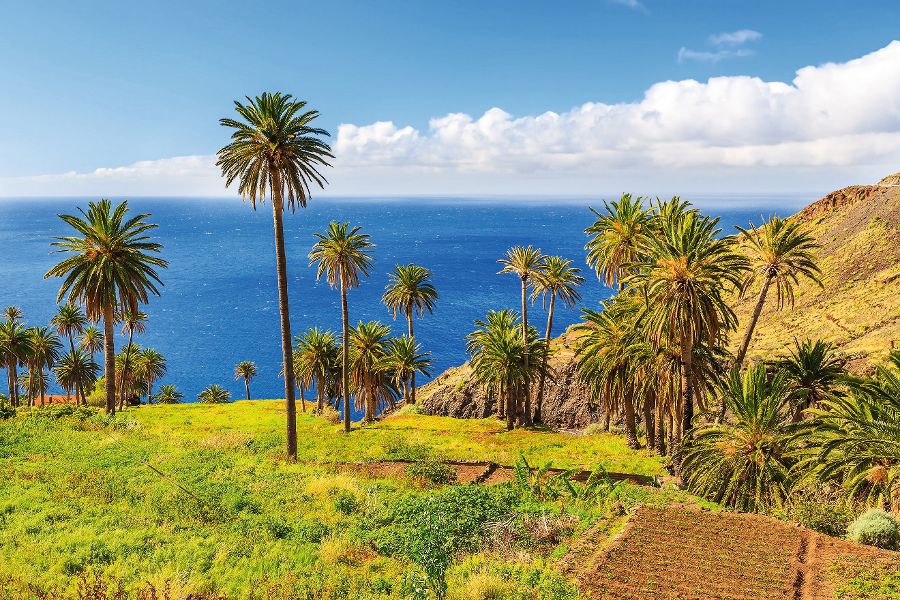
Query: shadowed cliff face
{"type": "Point", "coordinates": [857, 309]}
{"type": "Point", "coordinates": [566, 402]}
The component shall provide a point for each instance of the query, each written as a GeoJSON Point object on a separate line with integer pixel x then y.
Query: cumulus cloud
{"type": "Point", "coordinates": [835, 123]}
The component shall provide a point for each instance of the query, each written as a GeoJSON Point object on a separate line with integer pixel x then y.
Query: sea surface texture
{"type": "Point", "coordinates": [219, 302]}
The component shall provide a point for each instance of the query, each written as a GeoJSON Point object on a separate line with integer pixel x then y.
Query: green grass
{"type": "Point", "coordinates": [225, 514]}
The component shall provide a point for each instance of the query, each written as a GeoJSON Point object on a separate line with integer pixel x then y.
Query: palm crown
{"type": "Point", "coordinates": [410, 290]}
{"type": "Point", "coordinates": [341, 255]}
{"type": "Point", "coordinates": [558, 278]}
{"type": "Point", "coordinates": [275, 149]}
{"type": "Point", "coordinates": [617, 238]}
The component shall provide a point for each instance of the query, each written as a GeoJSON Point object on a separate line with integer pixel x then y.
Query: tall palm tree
{"type": "Point", "coordinates": [813, 370]}
{"type": "Point", "coordinates": [525, 263]}
{"type": "Point", "coordinates": [559, 279]}
{"type": "Point", "coordinates": [781, 251]}
{"type": "Point", "coordinates": [127, 372]}
{"type": "Point", "coordinates": [13, 353]}
{"type": "Point", "coordinates": [92, 340]}
{"type": "Point", "coordinates": [341, 255]}
{"type": "Point", "coordinates": [43, 352]}
{"type": "Point", "coordinates": [246, 370]}
{"type": "Point", "coordinates": [150, 366]}
{"type": "Point", "coordinates": [275, 149]}
{"type": "Point", "coordinates": [35, 384]}
{"type": "Point", "coordinates": [316, 357]}
{"type": "Point", "coordinates": [69, 321]}
{"type": "Point", "coordinates": [76, 370]}
{"type": "Point", "coordinates": [369, 377]}
{"type": "Point", "coordinates": [745, 463]}
{"type": "Point", "coordinates": [617, 238]}
{"type": "Point", "coordinates": [112, 267]}
{"type": "Point", "coordinates": [132, 322]}
{"type": "Point", "coordinates": [497, 321]}
{"type": "Point", "coordinates": [167, 394]}
{"type": "Point", "coordinates": [214, 394]}
{"type": "Point", "coordinates": [404, 359]}
{"type": "Point", "coordinates": [684, 284]}
{"type": "Point", "coordinates": [12, 313]}
{"type": "Point", "coordinates": [410, 290]}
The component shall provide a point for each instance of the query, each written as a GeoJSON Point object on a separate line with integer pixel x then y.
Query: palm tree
{"type": "Point", "coordinates": [525, 263]}
{"type": "Point", "coordinates": [498, 359]}
{"type": "Point", "coordinates": [855, 438]}
{"type": "Point", "coordinates": [167, 394]}
{"type": "Point", "coordinates": [410, 290]}
{"type": "Point", "coordinates": [316, 359]}
{"type": "Point", "coordinates": [112, 268]}
{"type": "Point", "coordinates": [617, 238]}
{"type": "Point", "coordinates": [781, 252]}
{"type": "Point", "coordinates": [132, 322]}
{"type": "Point", "coordinates": [127, 372]}
{"type": "Point", "coordinates": [214, 394]}
{"type": "Point", "coordinates": [35, 384]}
{"type": "Point", "coordinates": [76, 370]}
{"type": "Point", "coordinates": [404, 359]}
{"type": "Point", "coordinates": [12, 313]}
{"type": "Point", "coordinates": [745, 463]}
{"type": "Point", "coordinates": [275, 149]}
{"type": "Point", "coordinates": [92, 340]}
{"type": "Point", "coordinates": [43, 352]}
{"type": "Point", "coordinates": [150, 366]}
{"type": "Point", "coordinates": [246, 370]}
{"type": "Point", "coordinates": [684, 286]}
{"type": "Point", "coordinates": [559, 279]}
{"type": "Point", "coordinates": [369, 377]}
{"type": "Point", "coordinates": [813, 370]}
{"type": "Point", "coordinates": [342, 255]}
{"type": "Point", "coordinates": [69, 321]}
{"type": "Point", "coordinates": [13, 353]}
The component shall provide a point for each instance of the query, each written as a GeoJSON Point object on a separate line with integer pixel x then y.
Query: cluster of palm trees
{"type": "Point", "coordinates": [508, 354]}
{"type": "Point", "coordinates": [659, 346]}
{"type": "Point", "coordinates": [41, 351]}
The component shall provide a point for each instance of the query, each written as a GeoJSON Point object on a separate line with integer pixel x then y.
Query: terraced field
{"type": "Point", "coordinates": [677, 552]}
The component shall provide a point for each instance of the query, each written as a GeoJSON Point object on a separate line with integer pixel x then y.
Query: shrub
{"type": "Point", "coordinates": [345, 502]}
{"type": "Point", "coordinates": [397, 448]}
{"type": "Point", "coordinates": [593, 429]}
{"type": "Point", "coordinates": [6, 411]}
{"type": "Point", "coordinates": [409, 409]}
{"type": "Point", "coordinates": [822, 509]}
{"type": "Point", "coordinates": [330, 414]}
{"type": "Point", "coordinates": [432, 470]}
{"type": "Point", "coordinates": [875, 527]}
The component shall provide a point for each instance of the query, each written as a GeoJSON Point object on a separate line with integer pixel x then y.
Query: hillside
{"type": "Point", "coordinates": [857, 309]}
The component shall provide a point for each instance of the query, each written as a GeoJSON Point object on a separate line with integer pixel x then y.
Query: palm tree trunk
{"type": "Point", "coordinates": [742, 352]}
{"type": "Point", "coordinates": [41, 382]}
{"type": "Point", "coordinates": [149, 389]}
{"type": "Point", "coordinates": [540, 394]}
{"type": "Point", "coordinates": [247, 386]}
{"type": "Point", "coordinates": [649, 422]}
{"type": "Point", "coordinates": [687, 401]}
{"type": "Point", "coordinates": [320, 394]}
{"type": "Point", "coordinates": [285, 313]}
{"type": "Point", "coordinates": [128, 350]}
{"type": "Point", "coordinates": [345, 353]}
{"type": "Point", "coordinates": [412, 378]}
{"type": "Point", "coordinates": [12, 383]}
{"type": "Point", "coordinates": [526, 405]}
{"type": "Point", "coordinates": [661, 429]}
{"type": "Point", "coordinates": [631, 438]}
{"type": "Point", "coordinates": [78, 392]}
{"type": "Point", "coordinates": [109, 360]}
{"type": "Point", "coordinates": [302, 396]}
{"type": "Point", "coordinates": [510, 407]}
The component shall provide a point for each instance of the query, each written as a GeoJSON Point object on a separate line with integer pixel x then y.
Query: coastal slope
{"type": "Point", "coordinates": [857, 308]}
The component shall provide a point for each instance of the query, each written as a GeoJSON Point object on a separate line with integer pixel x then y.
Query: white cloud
{"type": "Point", "coordinates": [734, 38]}
{"type": "Point", "coordinates": [836, 123]}
{"type": "Point", "coordinates": [713, 57]}
{"type": "Point", "coordinates": [633, 5]}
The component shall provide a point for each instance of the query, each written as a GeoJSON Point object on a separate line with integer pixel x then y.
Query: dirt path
{"type": "Point", "coordinates": [477, 471]}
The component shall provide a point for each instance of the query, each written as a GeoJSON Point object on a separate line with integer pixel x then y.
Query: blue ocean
{"type": "Point", "coordinates": [219, 303]}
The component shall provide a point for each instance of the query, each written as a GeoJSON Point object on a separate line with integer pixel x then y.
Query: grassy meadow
{"type": "Point", "coordinates": [197, 499]}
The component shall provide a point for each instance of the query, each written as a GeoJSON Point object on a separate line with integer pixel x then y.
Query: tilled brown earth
{"type": "Point", "coordinates": [679, 552]}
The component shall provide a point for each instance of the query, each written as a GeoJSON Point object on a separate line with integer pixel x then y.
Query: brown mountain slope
{"type": "Point", "coordinates": [858, 307]}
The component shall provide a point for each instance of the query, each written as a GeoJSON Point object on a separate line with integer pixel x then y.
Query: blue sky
{"type": "Point", "coordinates": [103, 85]}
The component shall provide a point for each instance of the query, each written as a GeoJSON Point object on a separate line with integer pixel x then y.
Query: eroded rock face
{"type": "Point", "coordinates": [566, 402]}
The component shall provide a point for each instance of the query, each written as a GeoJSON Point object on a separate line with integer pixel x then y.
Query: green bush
{"type": "Point", "coordinates": [431, 470]}
{"type": "Point", "coordinates": [397, 448]}
{"type": "Point", "coordinates": [345, 502]}
{"type": "Point", "coordinates": [875, 527]}
{"type": "Point", "coordinates": [6, 411]}
{"type": "Point", "coordinates": [824, 510]}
